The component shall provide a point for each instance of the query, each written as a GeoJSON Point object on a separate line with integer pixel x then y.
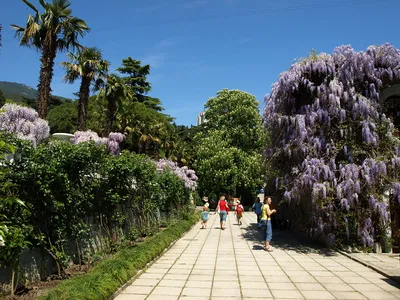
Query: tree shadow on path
{"type": "Point", "coordinates": [285, 240]}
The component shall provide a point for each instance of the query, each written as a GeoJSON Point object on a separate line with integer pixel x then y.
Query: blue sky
{"type": "Point", "coordinates": [197, 47]}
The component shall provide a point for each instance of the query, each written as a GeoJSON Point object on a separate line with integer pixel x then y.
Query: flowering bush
{"type": "Point", "coordinates": [112, 142]}
{"type": "Point", "coordinates": [333, 146]}
{"type": "Point", "coordinates": [187, 175]}
{"type": "Point", "coordinates": [24, 122]}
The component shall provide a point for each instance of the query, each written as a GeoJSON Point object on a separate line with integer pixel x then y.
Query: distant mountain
{"type": "Point", "coordinates": [21, 93]}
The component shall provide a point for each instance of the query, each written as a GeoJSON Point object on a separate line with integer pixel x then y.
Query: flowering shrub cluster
{"type": "Point", "coordinates": [184, 173]}
{"type": "Point", "coordinates": [24, 122]}
{"type": "Point", "coordinates": [112, 142]}
{"type": "Point", "coordinates": [334, 148]}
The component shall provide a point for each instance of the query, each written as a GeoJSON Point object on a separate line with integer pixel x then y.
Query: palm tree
{"type": "Point", "coordinates": [114, 91]}
{"type": "Point", "coordinates": [87, 64]}
{"type": "Point", "coordinates": [49, 32]}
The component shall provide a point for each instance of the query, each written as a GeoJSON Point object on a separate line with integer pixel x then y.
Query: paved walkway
{"type": "Point", "coordinates": [214, 264]}
{"type": "Point", "coordinates": [385, 263]}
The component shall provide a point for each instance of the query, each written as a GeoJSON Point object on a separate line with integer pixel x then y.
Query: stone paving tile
{"type": "Point", "coordinates": [172, 283]}
{"type": "Point", "coordinates": [319, 295]}
{"type": "Point", "coordinates": [380, 295]}
{"type": "Point", "coordinates": [138, 290]}
{"type": "Point", "coordinates": [329, 279]}
{"type": "Point", "coordinates": [362, 288]}
{"type": "Point", "coordinates": [131, 297]}
{"type": "Point", "coordinates": [229, 265]}
{"type": "Point", "coordinates": [224, 298]}
{"type": "Point", "coordinates": [167, 291]}
{"type": "Point", "coordinates": [356, 280]}
{"type": "Point", "coordinates": [222, 292]}
{"type": "Point", "coordinates": [338, 287]}
{"type": "Point", "coordinates": [200, 291]}
{"type": "Point", "coordinates": [176, 277]}
{"type": "Point", "coordinates": [300, 278]}
{"type": "Point", "coordinates": [249, 293]}
{"type": "Point", "coordinates": [286, 294]}
{"type": "Point", "coordinates": [161, 297]}
{"type": "Point", "coordinates": [281, 286]}
{"type": "Point", "coordinates": [310, 287]}
{"type": "Point", "coordinates": [348, 295]}
{"type": "Point", "coordinates": [145, 282]}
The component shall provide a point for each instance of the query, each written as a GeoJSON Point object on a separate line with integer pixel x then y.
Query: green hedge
{"type": "Point", "coordinates": [106, 277]}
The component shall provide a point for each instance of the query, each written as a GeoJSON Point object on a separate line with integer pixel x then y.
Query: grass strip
{"type": "Point", "coordinates": [106, 277]}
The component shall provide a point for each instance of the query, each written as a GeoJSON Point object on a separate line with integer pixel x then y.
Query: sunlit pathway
{"type": "Point", "coordinates": [230, 264]}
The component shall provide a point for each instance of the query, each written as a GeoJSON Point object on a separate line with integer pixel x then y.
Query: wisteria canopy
{"type": "Point", "coordinates": [187, 175]}
{"type": "Point", "coordinates": [333, 146]}
{"type": "Point", "coordinates": [24, 122]}
{"type": "Point", "coordinates": [113, 141]}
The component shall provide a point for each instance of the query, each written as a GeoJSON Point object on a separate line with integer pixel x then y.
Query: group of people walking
{"type": "Point", "coordinates": [262, 210]}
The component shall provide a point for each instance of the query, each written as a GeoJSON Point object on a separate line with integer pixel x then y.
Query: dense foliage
{"type": "Point", "coordinates": [333, 146]}
{"type": "Point", "coordinates": [63, 118]}
{"type": "Point", "coordinates": [78, 199]}
{"type": "Point", "coordinates": [229, 145]}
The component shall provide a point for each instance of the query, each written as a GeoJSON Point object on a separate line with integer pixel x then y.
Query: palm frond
{"type": "Point", "coordinates": [31, 6]}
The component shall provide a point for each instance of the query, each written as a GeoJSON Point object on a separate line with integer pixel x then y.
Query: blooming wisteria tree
{"type": "Point", "coordinates": [187, 175]}
{"type": "Point", "coordinates": [333, 146]}
{"type": "Point", "coordinates": [24, 122]}
{"type": "Point", "coordinates": [113, 141]}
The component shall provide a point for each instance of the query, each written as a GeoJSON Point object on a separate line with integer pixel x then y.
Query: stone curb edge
{"type": "Point", "coordinates": [148, 265]}
{"type": "Point", "coordinates": [380, 271]}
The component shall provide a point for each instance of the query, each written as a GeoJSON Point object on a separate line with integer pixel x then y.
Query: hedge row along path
{"type": "Point", "coordinates": [214, 264]}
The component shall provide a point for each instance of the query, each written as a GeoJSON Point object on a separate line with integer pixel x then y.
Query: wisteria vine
{"type": "Point", "coordinates": [335, 149]}
{"type": "Point", "coordinates": [24, 122]}
{"type": "Point", "coordinates": [113, 141]}
{"type": "Point", "coordinates": [187, 175]}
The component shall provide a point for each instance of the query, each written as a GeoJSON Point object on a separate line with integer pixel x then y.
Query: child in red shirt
{"type": "Point", "coordinates": [239, 212]}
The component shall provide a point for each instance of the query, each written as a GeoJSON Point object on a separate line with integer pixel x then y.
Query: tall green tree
{"type": "Point", "coordinates": [229, 144]}
{"type": "Point", "coordinates": [114, 91]}
{"type": "Point", "coordinates": [136, 78]}
{"type": "Point", "coordinates": [63, 118]}
{"type": "Point", "coordinates": [89, 65]}
{"type": "Point", "coordinates": [49, 32]}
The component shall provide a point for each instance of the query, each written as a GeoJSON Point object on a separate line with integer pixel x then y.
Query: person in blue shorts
{"type": "Point", "coordinates": [257, 209]}
{"type": "Point", "coordinates": [204, 216]}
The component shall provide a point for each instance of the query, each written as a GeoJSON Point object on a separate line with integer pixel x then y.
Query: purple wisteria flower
{"type": "Point", "coordinates": [24, 122]}
{"type": "Point", "coordinates": [187, 175]}
{"type": "Point", "coordinates": [113, 141]}
{"type": "Point", "coordinates": [331, 141]}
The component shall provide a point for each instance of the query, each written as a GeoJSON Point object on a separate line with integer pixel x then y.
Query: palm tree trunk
{"type": "Point", "coordinates": [111, 110]}
{"type": "Point", "coordinates": [83, 103]}
{"type": "Point", "coordinates": [46, 75]}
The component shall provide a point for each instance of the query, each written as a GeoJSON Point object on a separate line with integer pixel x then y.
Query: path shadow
{"type": "Point", "coordinates": [393, 281]}
{"type": "Point", "coordinates": [285, 240]}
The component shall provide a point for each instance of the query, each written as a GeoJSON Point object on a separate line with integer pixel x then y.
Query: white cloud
{"type": "Point", "coordinates": [166, 43]}
{"type": "Point", "coordinates": [154, 61]}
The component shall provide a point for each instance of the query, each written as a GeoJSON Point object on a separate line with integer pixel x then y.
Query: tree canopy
{"type": "Point", "coordinates": [229, 144]}
{"type": "Point", "coordinates": [50, 31]}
